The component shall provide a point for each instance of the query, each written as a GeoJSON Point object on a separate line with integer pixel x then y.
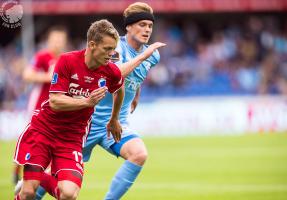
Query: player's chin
{"type": "Point", "coordinates": [106, 61]}
{"type": "Point", "coordinates": [144, 40]}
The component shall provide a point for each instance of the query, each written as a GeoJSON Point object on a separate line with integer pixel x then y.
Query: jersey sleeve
{"type": "Point", "coordinates": [61, 78]}
{"type": "Point", "coordinates": [154, 59]}
{"type": "Point", "coordinates": [117, 80]}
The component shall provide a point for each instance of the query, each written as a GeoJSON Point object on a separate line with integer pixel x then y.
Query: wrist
{"type": "Point", "coordinates": [87, 103]}
{"type": "Point", "coordinates": [114, 118]}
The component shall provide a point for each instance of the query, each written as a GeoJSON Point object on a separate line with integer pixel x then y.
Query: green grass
{"type": "Point", "coordinates": [249, 167]}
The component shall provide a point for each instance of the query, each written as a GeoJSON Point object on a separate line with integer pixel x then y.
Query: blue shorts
{"type": "Point", "coordinates": [98, 135]}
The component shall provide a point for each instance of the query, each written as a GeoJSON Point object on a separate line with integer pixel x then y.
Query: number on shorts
{"type": "Point", "coordinates": [78, 156]}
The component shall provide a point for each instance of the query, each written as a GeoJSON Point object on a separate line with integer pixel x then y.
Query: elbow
{"type": "Point", "coordinates": [54, 104]}
{"type": "Point", "coordinates": [26, 77]}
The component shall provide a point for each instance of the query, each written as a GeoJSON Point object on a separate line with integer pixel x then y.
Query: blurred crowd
{"type": "Point", "coordinates": [243, 57]}
{"type": "Point", "coordinates": [246, 56]}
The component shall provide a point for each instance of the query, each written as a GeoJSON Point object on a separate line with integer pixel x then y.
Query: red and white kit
{"type": "Point", "coordinates": [58, 136]}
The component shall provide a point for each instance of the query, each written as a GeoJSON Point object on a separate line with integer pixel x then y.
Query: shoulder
{"type": "Point", "coordinates": [72, 54]}
{"type": "Point", "coordinates": [113, 68]}
{"type": "Point", "coordinates": [122, 40]}
{"type": "Point", "coordinates": [115, 76]}
{"type": "Point", "coordinates": [43, 54]}
{"type": "Point", "coordinates": [121, 44]}
{"type": "Point", "coordinates": [71, 57]}
{"type": "Point", "coordinates": [41, 60]}
{"type": "Point", "coordinates": [62, 60]}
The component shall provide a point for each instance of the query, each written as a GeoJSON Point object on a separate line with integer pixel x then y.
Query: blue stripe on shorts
{"type": "Point", "coordinates": [116, 147]}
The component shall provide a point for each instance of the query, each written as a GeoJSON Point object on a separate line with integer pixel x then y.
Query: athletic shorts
{"type": "Point", "coordinates": [98, 136]}
{"type": "Point", "coordinates": [34, 148]}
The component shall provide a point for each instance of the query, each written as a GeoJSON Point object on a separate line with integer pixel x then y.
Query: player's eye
{"type": "Point", "coordinates": [108, 49]}
{"type": "Point", "coordinates": [142, 24]}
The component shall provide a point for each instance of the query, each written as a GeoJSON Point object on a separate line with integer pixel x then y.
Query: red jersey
{"type": "Point", "coordinates": [72, 77]}
{"type": "Point", "coordinates": [42, 63]}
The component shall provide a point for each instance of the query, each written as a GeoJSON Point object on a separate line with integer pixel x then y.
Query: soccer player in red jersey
{"type": "Point", "coordinates": [40, 73]}
{"type": "Point", "coordinates": [57, 132]}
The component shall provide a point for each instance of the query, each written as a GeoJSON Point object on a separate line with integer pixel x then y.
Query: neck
{"type": "Point", "coordinates": [133, 43]}
{"type": "Point", "coordinates": [89, 61]}
{"type": "Point", "coordinates": [55, 52]}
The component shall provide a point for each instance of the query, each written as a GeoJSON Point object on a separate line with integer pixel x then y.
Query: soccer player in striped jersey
{"type": "Point", "coordinates": [139, 21]}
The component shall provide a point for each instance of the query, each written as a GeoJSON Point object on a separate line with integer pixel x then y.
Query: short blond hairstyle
{"type": "Point", "coordinates": [137, 7]}
{"type": "Point", "coordinates": [101, 28]}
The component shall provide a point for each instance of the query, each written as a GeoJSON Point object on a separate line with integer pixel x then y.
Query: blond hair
{"type": "Point", "coordinates": [101, 28]}
{"type": "Point", "coordinates": [137, 8]}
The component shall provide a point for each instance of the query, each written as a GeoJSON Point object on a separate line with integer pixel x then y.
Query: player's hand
{"type": "Point", "coordinates": [114, 128]}
{"type": "Point", "coordinates": [151, 48]}
{"type": "Point", "coordinates": [96, 96]}
{"type": "Point", "coordinates": [134, 105]}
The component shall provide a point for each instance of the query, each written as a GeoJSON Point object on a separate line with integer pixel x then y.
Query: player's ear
{"type": "Point", "coordinates": [92, 45]}
{"type": "Point", "coordinates": [128, 27]}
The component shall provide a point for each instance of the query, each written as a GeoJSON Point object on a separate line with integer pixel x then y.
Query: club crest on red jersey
{"type": "Point", "coordinates": [102, 82]}
{"type": "Point", "coordinates": [27, 156]}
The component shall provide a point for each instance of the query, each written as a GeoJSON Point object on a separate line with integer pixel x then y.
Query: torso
{"type": "Point", "coordinates": [75, 80]}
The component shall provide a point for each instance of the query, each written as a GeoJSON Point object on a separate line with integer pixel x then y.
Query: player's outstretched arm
{"type": "Point", "coordinates": [30, 75]}
{"type": "Point", "coordinates": [128, 67]}
{"type": "Point", "coordinates": [114, 126]}
{"type": "Point", "coordinates": [62, 102]}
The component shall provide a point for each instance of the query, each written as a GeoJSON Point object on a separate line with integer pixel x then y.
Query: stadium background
{"type": "Point", "coordinates": [213, 112]}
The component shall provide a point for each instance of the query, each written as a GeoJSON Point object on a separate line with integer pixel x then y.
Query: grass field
{"type": "Point", "coordinates": [249, 167]}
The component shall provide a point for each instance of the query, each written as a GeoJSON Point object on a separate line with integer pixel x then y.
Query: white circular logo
{"type": "Point", "coordinates": [11, 12]}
